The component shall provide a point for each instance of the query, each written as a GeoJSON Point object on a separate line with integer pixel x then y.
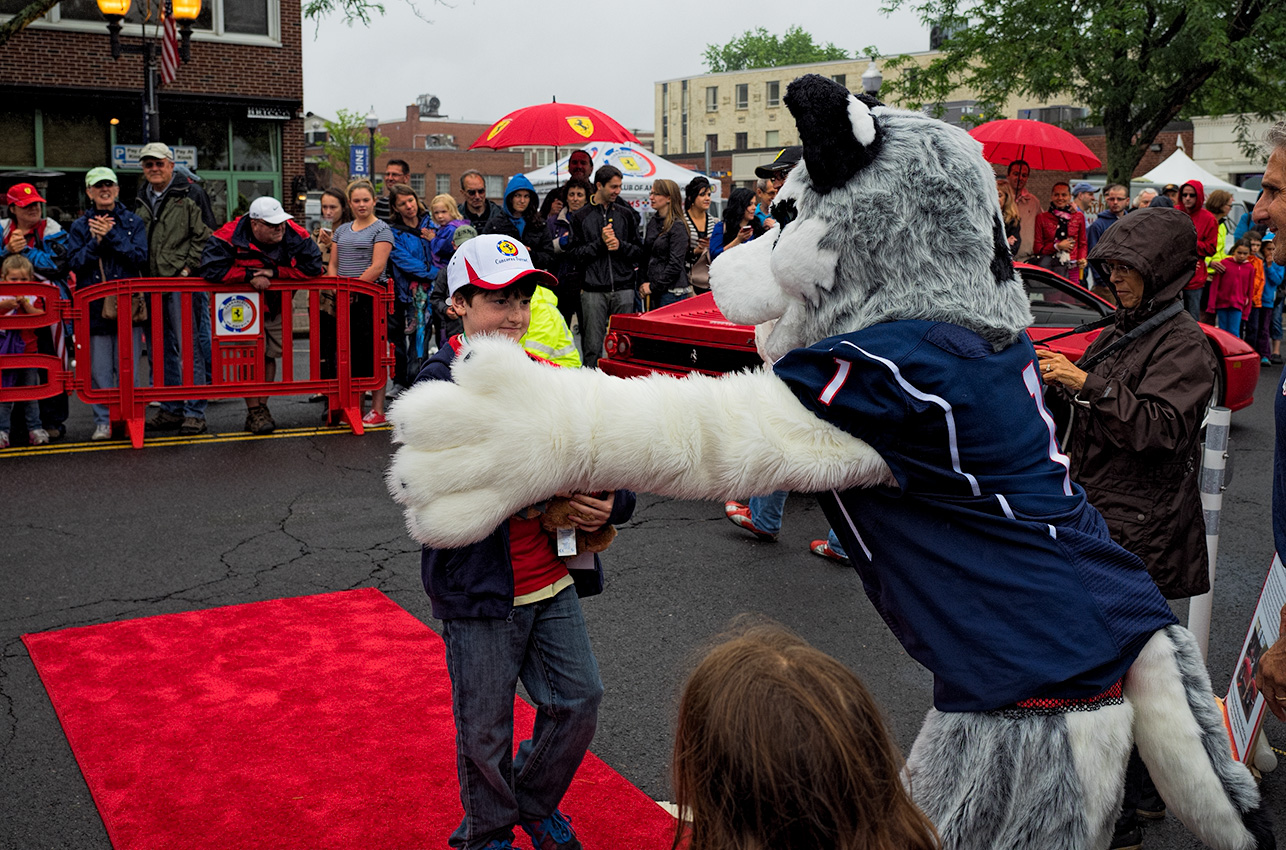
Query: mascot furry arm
{"type": "Point", "coordinates": [904, 392]}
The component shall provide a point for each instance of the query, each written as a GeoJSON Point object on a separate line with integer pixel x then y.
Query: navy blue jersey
{"type": "Point", "coordinates": [987, 562]}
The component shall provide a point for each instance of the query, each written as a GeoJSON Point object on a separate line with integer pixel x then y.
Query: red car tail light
{"type": "Point", "coordinates": [617, 345]}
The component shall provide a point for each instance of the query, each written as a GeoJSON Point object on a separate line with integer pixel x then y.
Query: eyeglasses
{"type": "Point", "coordinates": [103, 184]}
{"type": "Point", "coordinates": [475, 193]}
{"type": "Point", "coordinates": [153, 163]}
{"type": "Point", "coordinates": [1112, 268]}
{"type": "Point", "coordinates": [263, 223]}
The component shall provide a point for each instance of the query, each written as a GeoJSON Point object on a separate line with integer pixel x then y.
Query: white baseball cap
{"type": "Point", "coordinates": [269, 210]}
{"type": "Point", "coordinates": [156, 150]}
{"type": "Point", "coordinates": [493, 262]}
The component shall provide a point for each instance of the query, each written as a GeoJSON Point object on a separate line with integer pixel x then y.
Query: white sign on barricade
{"type": "Point", "coordinates": [1244, 704]}
{"type": "Point", "coordinates": [236, 314]}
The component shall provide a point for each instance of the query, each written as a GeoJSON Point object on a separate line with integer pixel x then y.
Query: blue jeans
{"type": "Point", "coordinates": [546, 645]}
{"type": "Point", "coordinates": [668, 298]}
{"type": "Point", "coordinates": [1192, 302]}
{"type": "Point", "coordinates": [30, 409]}
{"type": "Point", "coordinates": [833, 542]}
{"type": "Point", "coordinates": [104, 360]}
{"type": "Point", "coordinates": [172, 357]}
{"type": "Point", "coordinates": [1229, 319]}
{"type": "Point", "coordinates": [765, 511]}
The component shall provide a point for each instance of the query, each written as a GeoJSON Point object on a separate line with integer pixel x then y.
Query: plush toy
{"type": "Point", "coordinates": [905, 393]}
{"type": "Point", "coordinates": [556, 518]}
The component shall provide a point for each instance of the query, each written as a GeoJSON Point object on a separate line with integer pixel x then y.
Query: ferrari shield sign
{"type": "Point", "coordinates": [236, 314]}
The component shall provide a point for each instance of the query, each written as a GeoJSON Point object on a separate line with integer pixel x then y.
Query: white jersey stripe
{"type": "Point", "coordinates": [852, 526]}
{"type": "Point", "coordinates": [935, 399]}
{"type": "Point", "coordinates": [1004, 506]}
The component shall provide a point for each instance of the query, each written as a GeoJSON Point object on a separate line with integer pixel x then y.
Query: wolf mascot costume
{"type": "Point", "coordinates": [904, 390]}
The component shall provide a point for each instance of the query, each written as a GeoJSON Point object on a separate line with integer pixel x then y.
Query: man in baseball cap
{"type": "Point", "coordinates": [269, 210]}
{"type": "Point", "coordinates": [776, 171]}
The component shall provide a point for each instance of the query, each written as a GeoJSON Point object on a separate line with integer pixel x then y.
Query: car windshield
{"type": "Point", "coordinates": [1056, 304]}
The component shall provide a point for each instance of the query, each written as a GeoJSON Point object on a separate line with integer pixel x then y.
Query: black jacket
{"type": "Point", "coordinates": [479, 221]}
{"type": "Point", "coordinates": [667, 254]}
{"type": "Point", "coordinates": [606, 271]}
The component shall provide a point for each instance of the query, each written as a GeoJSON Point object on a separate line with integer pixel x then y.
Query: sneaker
{"type": "Point", "coordinates": [192, 426]}
{"type": "Point", "coordinates": [739, 514]}
{"type": "Point", "coordinates": [551, 833]}
{"type": "Point", "coordinates": [37, 437]}
{"type": "Point", "coordinates": [1150, 805]}
{"type": "Point", "coordinates": [823, 548]}
{"type": "Point", "coordinates": [1264, 361]}
{"type": "Point", "coordinates": [259, 420]}
{"type": "Point", "coordinates": [4, 439]}
{"type": "Point", "coordinates": [1127, 839]}
{"type": "Point", "coordinates": [1275, 359]}
{"type": "Point", "coordinates": [373, 418]}
{"type": "Point", "coordinates": [101, 432]}
{"type": "Point", "coordinates": [163, 420]}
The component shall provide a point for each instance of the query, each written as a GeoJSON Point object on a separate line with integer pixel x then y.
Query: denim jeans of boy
{"type": "Point", "coordinates": [173, 363]}
{"type": "Point", "coordinates": [544, 644]}
{"type": "Point", "coordinates": [765, 511]}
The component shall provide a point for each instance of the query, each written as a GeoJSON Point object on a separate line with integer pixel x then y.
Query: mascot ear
{"type": "Point", "coordinates": [839, 133]}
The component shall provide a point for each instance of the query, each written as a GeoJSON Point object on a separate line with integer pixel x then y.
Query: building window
{"type": "Point", "coordinates": [743, 95]}
{"type": "Point", "coordinates": [442, 184]}
{"type": "Point", "coordinates": [712, 98]}
{"type": "Point", "coordinates": [742, 141]}
{"type": "Point", "coordinates": [683, 118]}
{"type": "Point", "coordinates": [772, 93]}
{"type": "Point", "coordinates": [772, 139]}
{"type": "Point", "coordinates": [495, 186]}
{"type": "Point", "coordinates": [712, 141]}
{"type": "Point", "coordinates": [417, 184]}
{"type": "Point", "coordinates": [841, 79]}
{"type": "Point", "coordinates": [259, 18]}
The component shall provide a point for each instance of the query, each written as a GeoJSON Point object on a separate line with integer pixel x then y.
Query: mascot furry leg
{"type": "Point", "coordinates": [906, 389]}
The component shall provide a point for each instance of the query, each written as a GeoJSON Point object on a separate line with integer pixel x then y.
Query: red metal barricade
{"type": "Point", "coordinates": [236, 346]}
{"type": "Point", "coordinates": [56, 309]}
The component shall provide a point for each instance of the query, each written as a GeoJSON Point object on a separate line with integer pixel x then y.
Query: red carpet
{"type": "Point", "coordinates": [316, 722]}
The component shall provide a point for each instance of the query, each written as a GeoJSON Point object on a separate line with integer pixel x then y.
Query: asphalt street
{"type": "Point", "coordinates": [97, 534]}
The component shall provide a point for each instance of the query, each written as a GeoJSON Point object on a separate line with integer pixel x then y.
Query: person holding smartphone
{"type": "Point", "coordinates": [738, 220]}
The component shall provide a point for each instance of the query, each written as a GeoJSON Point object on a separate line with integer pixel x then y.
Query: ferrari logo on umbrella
{"type": "Point", "coordinates": [498, 128]}
{"type": "Point", "coordinates": [581, 125]}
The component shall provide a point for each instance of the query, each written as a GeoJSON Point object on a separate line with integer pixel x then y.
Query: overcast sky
{"type": "Point", "coordinates": [484, 58]}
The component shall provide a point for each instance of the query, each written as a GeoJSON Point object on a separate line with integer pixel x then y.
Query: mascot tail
{"type": "Point", "coordinates": [1180, 733]}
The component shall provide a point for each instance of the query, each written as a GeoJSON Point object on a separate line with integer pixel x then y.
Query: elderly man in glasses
{"type": "Point", "coordinates": [476, 208]}
{"type": "Point", "coordinates": [179, 221]}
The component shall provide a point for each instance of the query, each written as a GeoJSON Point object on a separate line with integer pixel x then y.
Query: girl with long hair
{"type": "Point", "coordinates": [362, 247]}
{"type": "Point", "coordinates": [666, 245]}
{"type": "Point", "coordinates": [781, 747]}
{"type": "Point", "coordinates": [411, 265]}
{"type": "Point", "coordinates": [1009, 212]}
{"type": "Point", "coordinates": [738, 225]}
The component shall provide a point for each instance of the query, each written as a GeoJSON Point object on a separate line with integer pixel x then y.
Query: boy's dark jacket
{"type": "Point", "coordinates": [478, 580]}
{"type": "Point", "coordinates": [231, 256]}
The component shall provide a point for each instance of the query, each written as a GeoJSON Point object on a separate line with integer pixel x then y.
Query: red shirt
{"type": "Point", "coordinates": [531, 552]}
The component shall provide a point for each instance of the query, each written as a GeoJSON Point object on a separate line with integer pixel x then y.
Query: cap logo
{"type": "Point", "coordinates": [26, 191]}
{"type": "Point", "coordinates": [507, 248]}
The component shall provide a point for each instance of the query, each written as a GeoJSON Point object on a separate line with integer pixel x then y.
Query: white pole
{"type": "Point", "coordinates": [1213, 464]}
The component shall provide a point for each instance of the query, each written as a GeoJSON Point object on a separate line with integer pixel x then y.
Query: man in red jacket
{"type": "Point", "coordinates": [252, 250]}
{"type": "Point", "coordinates": [1192, 200]}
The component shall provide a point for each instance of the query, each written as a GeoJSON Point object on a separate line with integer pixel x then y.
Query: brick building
{"type": "Point", "coordinates": [67, 104]}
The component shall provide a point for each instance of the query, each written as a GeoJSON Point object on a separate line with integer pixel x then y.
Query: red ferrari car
{"type": "Point", "coordinates": [693, 336]}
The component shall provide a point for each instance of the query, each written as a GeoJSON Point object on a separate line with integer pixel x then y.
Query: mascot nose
{"type": "Point", "coordinates": [839, 133]}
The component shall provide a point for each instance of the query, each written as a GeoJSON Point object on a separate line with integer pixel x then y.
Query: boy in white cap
{"type": "Point", "coordinates": [509, 603]}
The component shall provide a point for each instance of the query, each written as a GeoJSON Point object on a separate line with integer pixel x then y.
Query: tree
{"type": "Point", "coordinates": [760, 49]}
{"type": "Point", "coordinates": [1136, 65]}
{"type": "Point", "coordinates": [348, 129]}
{"type": "Point", "coordinates": [315, 10]}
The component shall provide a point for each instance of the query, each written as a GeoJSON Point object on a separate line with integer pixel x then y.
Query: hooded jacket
{"type": "Point", "coordinates": [1136, 428]}
{"type": "Point", "coordinates": [526, 228]}
{"type": "Point", "coordinates": [121, 253]}
{"type": "Point", "coordinates": [177, 229]}
{"type": "Point", "coordinates": [46, 247]}
{"type": "Point", "coordinates": [1207, 232]}
{"type": "Point", "coordinates": [232, 256]}
{"type": "Point", "coordinates": [411, 261]}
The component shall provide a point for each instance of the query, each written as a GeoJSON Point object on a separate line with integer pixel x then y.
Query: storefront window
{"type": "Point", "coordinates": [208, 136]}
{"type": "Point", "coordinates": [19, 146]}
{"type": "Point", "coordinates": [254, 146]}
{"type": "Point", "coordinates": [74, 141]}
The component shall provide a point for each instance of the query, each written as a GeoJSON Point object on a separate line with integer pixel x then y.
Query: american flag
{"type": "Point", "coordinates": [169, 46]}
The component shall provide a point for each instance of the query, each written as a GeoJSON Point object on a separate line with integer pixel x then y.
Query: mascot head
{"type": "Point", "coordinates": [890, 215]}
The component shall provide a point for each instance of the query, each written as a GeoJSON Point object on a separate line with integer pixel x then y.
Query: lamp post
{"type": "Point", "coordinates": [872, 79]}
{"type": "Point", "coordinates": [185, 12]}
{"type": "Point", "coordinates": [372, 124]}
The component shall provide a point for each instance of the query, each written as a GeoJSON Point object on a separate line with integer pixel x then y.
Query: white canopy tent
{"type": "Point", "coordinates": [1179, 168]}
{"type": "Point", "coordinates": [638, 167]}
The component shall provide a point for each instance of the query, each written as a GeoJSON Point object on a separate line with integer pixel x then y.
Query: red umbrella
{"type": "Point", "coordinates": [1042, 146]}
{"type": "Point", "coordinates": [557, 124]}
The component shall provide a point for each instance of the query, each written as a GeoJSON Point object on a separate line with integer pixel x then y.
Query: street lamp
{"type": "Point", "coordinates": [372, 124]}
{"type": "Point", "coordinates": [872, 79]}
{"type": "Point", "coordinates": [185, 12]}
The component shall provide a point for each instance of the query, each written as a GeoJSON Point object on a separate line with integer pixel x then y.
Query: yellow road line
{"type": "Point", "coordinates": [161, 442]}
